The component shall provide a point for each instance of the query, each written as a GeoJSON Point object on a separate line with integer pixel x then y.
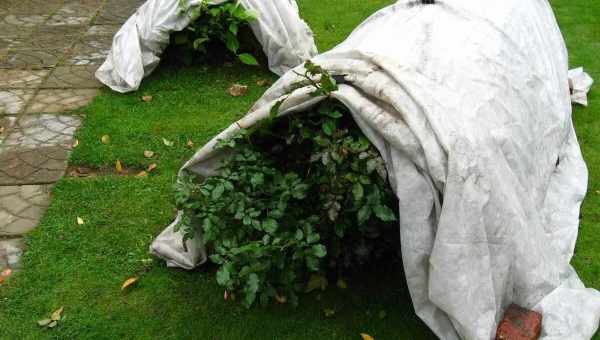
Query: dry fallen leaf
{"type": "Point", "coordinates": [44, 322]}
{"type": "Point", "coordinates": [118, 166]}
{"type": "Point", "coordinates": [80, 220]}
{"type": "Point", "coordinates": [238, 90]}
{"type": "Point", "coordinates": [129, 282]}
{"type": "Point", "coordinates": [52, 324]}
{"type": "Point", "coordinates": [281, 299]}
{"type": "Point", "coordinates": [263, 82]}
{"type": "Point", "coordinates": [148, 154]}
{"type": "Point", "coordinates": [142, 174]}
{"type": "Point", "coordinates": [366, 336]}
{"type": "Point", "coordinates": [1, 129]}
{"type": "Point", "coordinates": [168, 142]}
{"type": "Point", "coordinates": [151, 167]}
{"type": "Point", "coordinates": [147, 98]}
{"type": "Point", "coordinates": [76, 143]}
{"type": "Point", "coordinates": [189, 143]}
{"type": "Point", "coordinates": [105, 139]}
{"type": "Point", "coordinates": [5, 274]}
{"type": "Point", "coordinates": [57, 314]}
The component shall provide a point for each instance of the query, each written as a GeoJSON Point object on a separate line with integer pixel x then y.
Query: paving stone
{"type": "Point", "coordinates": [8, 30]}
{"type": "Point", "coordinates": [117, 12]}
{"type": "Point", "coordinates": [42, 130]}
{"type": "Point", "coordinates": [46, 37]}
{"type": "Point", "coordinates": [77, 77]}
{"type": "Point", "coordinates": [24, 20]}
{"type": "Point", "coordinates": [91, 51]}
{"type": "Point", "coordinates": [11, 251]}
{"type": "Point", "coordinates": [102, 30]}
{"type": "Point", "coordinates": [18, 79]}
{"type": "Point", "coordinates": [30, 7]}
{"type": "Point", "coordinates": [6, 124]}
{"type": "Point", "coordinates": [56, 101]}
{"type": "Point", "coordinates": [31, 59]}
{"type": "Point", "coordinates": [14, 101]}
{"type": "Point", "coordinates": [32, 166]}
{"type": "Point", "coordinates": [21, 208]}
{"type": "Point", "coordinates": [74, 13]}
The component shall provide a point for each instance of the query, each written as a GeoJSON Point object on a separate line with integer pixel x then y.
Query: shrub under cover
{"type": "Point", "coordinates": [301, 195]}
{"type": "Point", "coordinates": [216, 32]}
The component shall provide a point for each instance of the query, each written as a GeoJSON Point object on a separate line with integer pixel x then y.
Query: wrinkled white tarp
{"type": "Point", "coordinates": [581, 83]}
{"type": "Point", "coordinates": [468, 102]}
{"type": "Point", "coordinates": [286, 39]}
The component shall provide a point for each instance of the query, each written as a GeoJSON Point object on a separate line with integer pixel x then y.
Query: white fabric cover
{"type": "Point", "coordinates": [286, 39]}
{"type": "Point", "coordinates": [468, 102]}
{"type": "Point", "coordinates": [581, 83]}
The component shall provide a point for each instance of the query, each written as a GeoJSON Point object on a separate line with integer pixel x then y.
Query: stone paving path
{"type": "Point", "coordinates": [49, 51]}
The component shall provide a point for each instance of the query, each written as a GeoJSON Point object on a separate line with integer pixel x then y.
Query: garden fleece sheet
{"type": "Point", "coordinates": [468, 102]}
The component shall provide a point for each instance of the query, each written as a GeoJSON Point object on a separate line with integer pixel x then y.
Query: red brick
{"type": "Point", "coordinates": [519, 324]}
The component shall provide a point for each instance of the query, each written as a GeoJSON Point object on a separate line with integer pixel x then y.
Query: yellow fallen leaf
{"type": "Point", "coordinates": [105, 139]}
{"type": "Point", "coordinates": [342, 284]}
{"type": "Point", "coordinates": [328, 312]}
{"type": "Point", "coordinates": [80, 220]}
{"type": "Point", "coordinates": [168, 142]}
{"type": "Point", "coordinates": [151, 167]}
{"type": "Point", "coordinates": [190, 144]}
{"type": "Point", "coordinates": [52, 324]}
{"type": "Point", "coordinates": [129, 282]}
{"type": "Point", "coordinates": [76, 143]}
{"type": "Point", "coordinates": [142, 174]}
{"type": "Point", "coordinates": [366, 336]}
{"type": "Point", "coordinates": [44, 322]}
{"type": "Point", "coordinates": [57, 314]}
{"type": "Point", "coordinates": [281, 299]}
{"type": "Point", "coordinates": [262, 82]}
{"type": "Point", "coordinates": [148, 154]}
{"type": "Point", "coordinates": [118, 166]}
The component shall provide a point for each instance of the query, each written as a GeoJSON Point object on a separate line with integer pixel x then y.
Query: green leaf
{"type": "Point", "coordinates": [232, 42]}
{"type": "Point", "coordinates": [270, 225]}
{"type": "Point", "coordinates": [384, 213]}
{"type": "Point", "coordinates": [358, 192]}
{"type": "Point", "coordinates": [363, 214]}
{"type": "Point", "coordinates": [316, 282]}
{"type": "Point", "coordinates": [329, 127]}
{"type": "Point", "coordinates": [233, 28]}
{"type": "Point", "coordinates": [253, 282]}
{"type": "Point", "coordinates": [248, 59]}
{"type": "Point", "coordinates": [218, 191]}
{"type": "Point", "coordinates": [249, 298]}
{"type": "Point", "coordinates": [319, 250]}
{"type": "Point", "coordinates": [257, 179]}
{"type": "Point", "coordinates": [223, 276]}
{"type": "Point", "coordinates": [275, 108]}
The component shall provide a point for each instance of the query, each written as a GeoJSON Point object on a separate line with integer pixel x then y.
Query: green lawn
{"type": "Point", "coordinates": [81, 267]}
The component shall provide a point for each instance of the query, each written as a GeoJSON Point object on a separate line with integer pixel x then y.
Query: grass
{"type": "Point", "coordinates": [81, 267]}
